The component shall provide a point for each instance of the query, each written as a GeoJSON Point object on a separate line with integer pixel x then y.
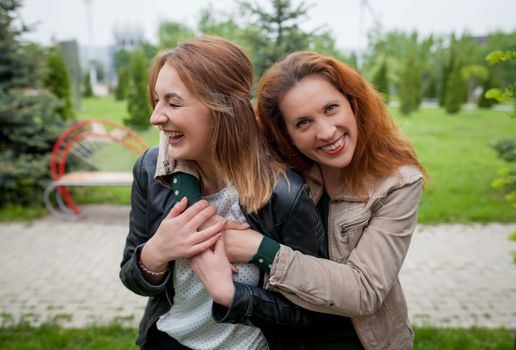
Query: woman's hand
{"type": "Point", "coordinates": [213, 268]}
{"type": "Point", "coordinates": [241, 245]}
{"type": "Point", "coordinates": [178, 236]}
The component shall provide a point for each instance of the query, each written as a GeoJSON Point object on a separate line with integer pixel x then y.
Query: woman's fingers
{"type": "Point", "coordinates": [236, 225]}
{"type": "Point", "coordinates": [201, 217]}
{"type": "Point", "coordinates": [204, 245]}
{"type": "Point", "coordinates": [193, 210]}
{"type": "Point", "coordinates": [177, 209]}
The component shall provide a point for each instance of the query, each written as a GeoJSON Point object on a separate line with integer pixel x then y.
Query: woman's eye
{"type": "Point", "coordinates": [302, 123]}
{"type": "Point", "coordinates": [331, 108]}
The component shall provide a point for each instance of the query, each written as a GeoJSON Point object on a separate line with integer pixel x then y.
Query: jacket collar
{"type": "Point", "coordinates": [314, 179]}
{"type": "Point", "coordinates": [166, 165]}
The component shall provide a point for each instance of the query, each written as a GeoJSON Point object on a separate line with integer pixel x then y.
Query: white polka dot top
{"type": "Point", "coordinates": [189, 321]}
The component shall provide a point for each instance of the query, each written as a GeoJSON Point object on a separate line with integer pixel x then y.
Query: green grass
{"type": "Point", "coordinates": [456, 151]}
{"type": "Point", "coordinates": [53, 337]}
{"type": "Point", "coordinates": [460, 339]}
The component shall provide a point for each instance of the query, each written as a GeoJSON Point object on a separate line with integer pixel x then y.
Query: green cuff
{"type": "Point", "coordinates": [266, 253]}
{"type": "Point", "coordinates": [185, 185]}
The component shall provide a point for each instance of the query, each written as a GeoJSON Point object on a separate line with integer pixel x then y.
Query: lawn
{"type": "Point", "coordinates": [455, 149]}
{"type": "Point", "coordinates": [53, 337]}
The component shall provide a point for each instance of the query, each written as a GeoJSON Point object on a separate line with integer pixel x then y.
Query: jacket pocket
{"type": "Point", "coordinates": [347, 235]}
{"type": "Point", "coordinates": [356, 226]}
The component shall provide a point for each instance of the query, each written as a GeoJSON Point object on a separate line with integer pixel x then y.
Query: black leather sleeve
{"type": "Point", "coordinates": [298, 225]}
{"type": "Point", "coordinates": [258, 307]}
{"type": "Point", "coordinates": [130, 273]}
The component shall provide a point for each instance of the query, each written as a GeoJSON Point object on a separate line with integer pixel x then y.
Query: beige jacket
{"type": "Point", "coordinates": [367, 243]}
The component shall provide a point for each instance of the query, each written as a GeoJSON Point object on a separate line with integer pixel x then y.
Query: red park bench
{"type": "Point", "coordinates": [90, 153]}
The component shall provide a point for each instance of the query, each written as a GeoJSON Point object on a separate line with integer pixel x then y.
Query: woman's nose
{"type": "Point", "coordinates": [326, 129]}
{"type": "Point", "coordinates": [158, 117]}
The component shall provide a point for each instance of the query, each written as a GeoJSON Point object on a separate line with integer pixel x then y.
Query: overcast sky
{"type": "Point", "coordinates": [67, 19]}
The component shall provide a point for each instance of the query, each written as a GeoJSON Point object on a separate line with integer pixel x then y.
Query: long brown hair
{"type": "Point", "coordinates": [381, 148]}
{"type": "Point", "coordinates": [220, 75]}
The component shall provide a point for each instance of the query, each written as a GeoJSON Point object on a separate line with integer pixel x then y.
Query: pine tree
{"type": "Point", "coordinates": [138, 104]}
{"type": "Point", "coordinates": [122, 61]}
{"type": "Point", "coordinates": [275, 33]}
{"type": "Point", "coordinates": [410, 86]}
{"type": "Point", "coordinates": [381, 80]}
{"type": "Point", "coordinates": [30, 123]}
{"type": "Point", "coordinates": [87, 89]}
{"type": "Point", "coordinates": [57, 81]}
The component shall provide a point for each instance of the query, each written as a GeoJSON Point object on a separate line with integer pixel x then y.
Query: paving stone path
{"type": "Point", "coordinates": [453, 276]}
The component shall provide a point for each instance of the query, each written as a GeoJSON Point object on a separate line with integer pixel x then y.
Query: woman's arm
{"type": "Point", "coordinates": [359, 286]}
{"type": "Point", "coordinates": [130, 273]}
{"type": "Point", "coordinates": [297, 223]}
{"type": "Point", "coordinates": [176, 237]}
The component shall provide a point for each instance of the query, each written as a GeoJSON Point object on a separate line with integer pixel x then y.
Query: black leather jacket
{"type": "Point", "coordinates": [289, 218]}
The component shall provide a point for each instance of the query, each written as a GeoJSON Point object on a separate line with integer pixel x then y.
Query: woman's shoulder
{"type": "Point", "coordinates": [289, 184]}
{"type": "Point", "coordinates": [289, 189]}
{"type": "Point", "coordinates": [146, 163]}
{"type": "Point", "coordinates": [405, 175]}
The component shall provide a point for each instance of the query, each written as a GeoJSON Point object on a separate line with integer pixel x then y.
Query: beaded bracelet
{"type": "Point", "coordinates": [150, 272]}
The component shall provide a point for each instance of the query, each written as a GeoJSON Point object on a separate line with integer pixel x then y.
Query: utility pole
{"type": "Point", "coordinates": [90, 51]}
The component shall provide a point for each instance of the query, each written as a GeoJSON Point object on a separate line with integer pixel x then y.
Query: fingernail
{"type": "Point", "coordinates": [245, 225]}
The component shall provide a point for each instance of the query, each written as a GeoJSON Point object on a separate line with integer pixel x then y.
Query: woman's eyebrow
{"type": "Point", "coordinates": [172, 94]}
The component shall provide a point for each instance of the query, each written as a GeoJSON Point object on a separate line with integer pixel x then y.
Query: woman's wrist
{"type": "Point", "coordinates": [265, 254]}
{"type": "Point", "coordinates": [224, 294]}
{"type": "Point", "coordinates": [149, 258]}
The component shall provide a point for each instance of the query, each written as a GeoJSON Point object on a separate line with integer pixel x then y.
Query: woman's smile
{"type": "Point", "coordinates": [335, 147]}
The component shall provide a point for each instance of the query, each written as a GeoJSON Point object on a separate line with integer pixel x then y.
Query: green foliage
{"type": "Point", "coordinates": [87, 89]}
{"type": "Point", "coordinates": [452, 98]}
{"type": "Point", "coordinates": [30, 126]}
{"type": "Point", "coordinates": [381, 80]}
{"type": "Point", "coordinates": [170, 33]}
{"type": "Point", "coordinates": [274, 32]}
{"type": "Point", "coordinates": [122, 63]}
{"type": "Point", "coordinates": [506, 149]}
{"type": "Point", "coordinates": [138, 104]}
{"type": "Point", "coordinates": [17, 62]}
{"type": "Point", "coordinates": [57, 81]}
{"type": "Point", "coordinates": [410, 87]}
{"type": "Point", "coordinates": [501, 56]}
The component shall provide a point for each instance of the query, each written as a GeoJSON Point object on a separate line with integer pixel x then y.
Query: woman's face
{"type": "Point", "coordinates": [320, 122]}
{"type": "Point", "coordinates": [184, 119]}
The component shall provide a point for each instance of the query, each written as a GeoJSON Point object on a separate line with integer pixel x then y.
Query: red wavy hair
{"type": "Point", "coordinates": [381, 148]}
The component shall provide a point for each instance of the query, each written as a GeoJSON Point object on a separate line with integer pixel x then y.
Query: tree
{"type": "Point", "coordinates": [87, 89]}
{"type": "Point", "coordinates": [122, 61]}
{"type": "Point", "coordinates": [275, 33]}
{"type": "Point", "coordinates": [30, 123]}
{"type": "Point", "coordinates": [381, 80]}
{"type": "Point", "coordinates": [138, 104]}
{"type": "Point", "coordinates": [170, 33]}
{"type": "Point", "coordinates": [410, 86]}
{"type": "Point", "coordinates": [57, 81]}
{"type": "Point", "coordinates": [506, 149]}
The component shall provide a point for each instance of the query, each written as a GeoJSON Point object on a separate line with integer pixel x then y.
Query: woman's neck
{"type": "Point", "coordinates": [333, 179]}
{"type": "Point", "coordinates": [211, 181]}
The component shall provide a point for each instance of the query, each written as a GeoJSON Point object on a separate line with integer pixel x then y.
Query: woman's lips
{"type": "Point", "coordinates": [334, 148]}
{"type": "Point", "coordinates": [174, 137]}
